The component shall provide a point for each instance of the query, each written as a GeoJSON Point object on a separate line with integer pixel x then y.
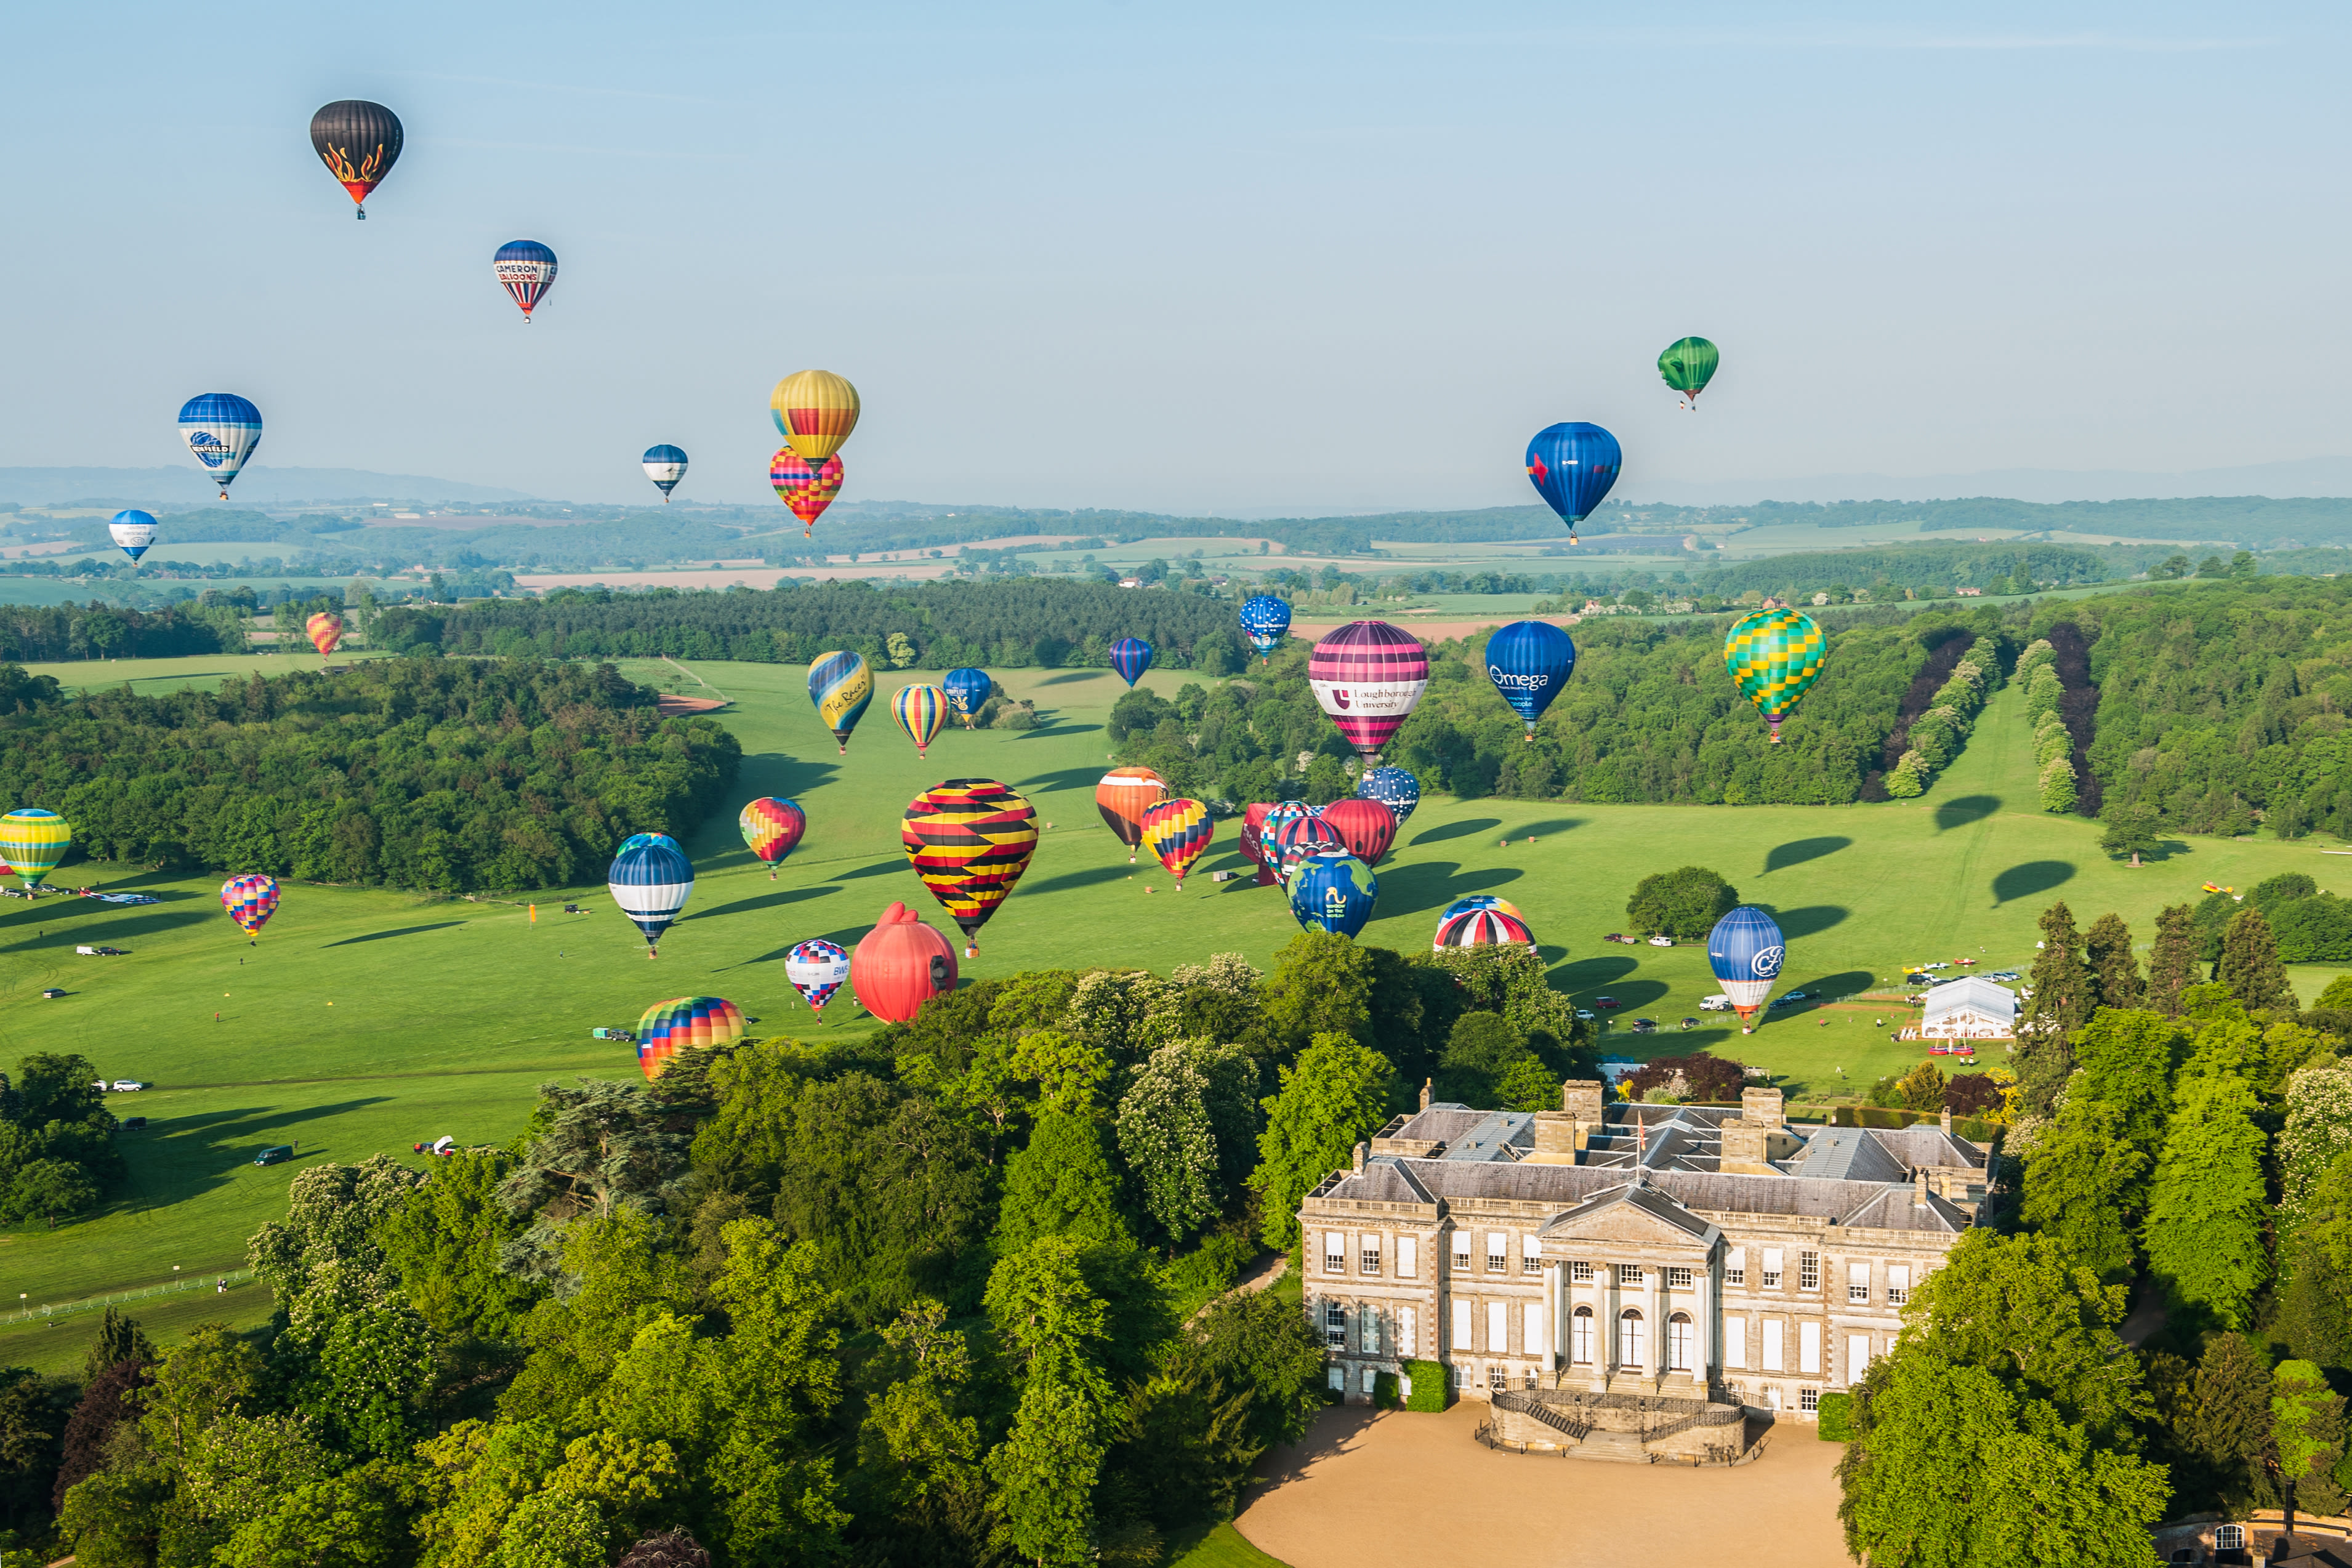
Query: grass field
{"type": "Point", "coordinates": [372, 1019]}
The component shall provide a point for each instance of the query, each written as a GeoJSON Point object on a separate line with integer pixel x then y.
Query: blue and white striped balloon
{"type": "Point", "coordinates": [132, 532]}
{"type": "Point", "coordinates": [665, 466]}
{"type": "Point", "coordinates": [650, 881]}
{"type": "Point", "coordinates": [221, 429]}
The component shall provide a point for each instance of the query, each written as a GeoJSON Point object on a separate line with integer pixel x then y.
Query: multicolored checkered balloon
{"type": "Point", "coordinates": [817, 969]}
{"type": "Point", "coordinates": [250, 901]}
{"type": "Point", "coordinates": [1775, 656]}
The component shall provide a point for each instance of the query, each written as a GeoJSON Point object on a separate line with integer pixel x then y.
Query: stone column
{"type": "Point", "coordinates": [1552, 1317]}
{"type": "Point", "coordinates": [1704, 1369]}
{"type": "Point", "coordinates": [1653, 1291]}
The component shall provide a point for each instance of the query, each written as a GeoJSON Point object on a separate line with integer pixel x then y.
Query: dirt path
{"type": "Point", "coordinates": [1261, 1278]}
{"type": "Point", "coordinates": [1398, 1486]}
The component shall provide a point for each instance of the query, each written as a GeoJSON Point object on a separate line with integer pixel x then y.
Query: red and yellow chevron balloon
{"type": "Point", "coordinates": [1178, 832]}
{"type": "Point", "coordinates": [683, 1023]}
{"type": "Point", "coordinates": [920, 710]}
{"type": "Point", "coordinates": [970, 839]}
{"type": "Point", "coordinates": [771, 827]}
{"type": "Point", "coordinates": [325, 631]}
{"type": "Point", "coordinates": [808, 488]}
{"type": "Point", "coordinates": [815, 411]}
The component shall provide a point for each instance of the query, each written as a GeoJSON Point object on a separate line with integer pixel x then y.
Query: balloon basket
{"type": "Point", "coordinates": [971, 950]}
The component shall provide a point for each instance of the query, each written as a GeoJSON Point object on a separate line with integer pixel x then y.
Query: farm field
{"type": "Point", "coordinates": [370, 1019]}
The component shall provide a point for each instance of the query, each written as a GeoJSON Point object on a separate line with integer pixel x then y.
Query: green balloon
{"type": "Point", "coordinates": [1689, 365]}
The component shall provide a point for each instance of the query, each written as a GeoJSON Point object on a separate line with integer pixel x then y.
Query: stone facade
{"type": "Point", "coordinates": [1670, 1254]}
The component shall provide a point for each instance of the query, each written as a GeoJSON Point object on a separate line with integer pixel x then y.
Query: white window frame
{"type": "Point", "coordinates": [1498, 1251]}
{"type": "Point", "coordinates": [1631, 1338]}
{"type": "Point", "coordinates": [1629, 1276]}
{"type": "Point", "coordinates": [1368, 1255]}
{"type": "Point", "coordinates": [1580, 1272]}
{"type": "Point", "coordinates": [1857, 1282]}
{"type": "Point", "coordinates": [1367, 1329]}
{"type": "Point", "coordinates": [1809, 1347]}
{"type": "Point", "coordinates": [1335, 1252]}
{"type": "Point", "coordinates": [1858, 1355]}
{"type": "Point", "coordinates": [1408, 1257]}
{"type": "Point", "coordinates": [1580, 1337]}
{"type": "Point", "coordinates": [1735, 1267]}
{"type": "Point", "coordinates": [1680, 1336]}
{"type": "Point", "coordinates": [1808, 1272]}
{"type": "Point", "coordinates": [1775, 1346]}
{"type": "Point", "coordinates": [1408, 1333]}
{"type": "Point", "coordinates": [1534, 1326]}
{"type": "Point", "coordinates": [1335, 1326]}
{"type": "Point", "coordinates": [1679, 1280]}
{"type": "Point", "coordinates": [1772, 1270]}
{"type": "Point", "coordinates": [1809, 1401]}
{"type": "Point", "coordinates": [1735, 1339]}
{"type": "Point", "coordinates": [2228, 1538]}
{"type": "Point", "coordinates": [1339, 1378]}
{"type": "Point", "coordinates": [1371, 1379]}
{"type": "Point", "coordinates": [1531, 1259]}
{"type": "Point", "coordinates": [1462, 1239]}
{"type": "Point", "coordinates": [1461, 1344]}
{"type": "Point", "coordinates": [1898, 1284]}
{"type": "Point", "coordinates": [1498, 1328]}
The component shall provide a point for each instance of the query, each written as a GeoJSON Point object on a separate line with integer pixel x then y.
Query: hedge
{"type": "Point", "coordinates": [1836, 1418]}
{"type": "Point", "coordinates": [1428, 1384]}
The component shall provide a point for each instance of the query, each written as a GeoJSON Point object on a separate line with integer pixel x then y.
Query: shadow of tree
{"type": "Point", "coordinates": [1797, 851]}
{"type": "Point", "coordinates": [782, 775]}
{"type": "Point", "coordinates": [2033, 877]}
{"type": "Point", "coordinates": [185, 1155]}
{"type": "Point", "coordinates": [120, 928]}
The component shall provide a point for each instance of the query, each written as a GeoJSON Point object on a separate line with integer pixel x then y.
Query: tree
{"type": "Point", "coordinates": [626, 1279]}
{"type": "Point", "coordinates": [601, 1147]}
{"type": "Point", "coordinates": [120, 1339]}
{"type": "Point", "coordinates": [106, 1401]}
{"type": "Point", "coordinates": [2125, 1057]}
{"type": "Point", "coordinates": [1060, 1183]}
{"type": "Point", "coordinates": [2108, 950]}
{"type": "Point", "coordinates": [1482, 1049]}
{"type": "Point", "coordinates": [2206, 1207]}
{"type": "Point", "coordinates": [1051, 1320]}
{"type": "Point", "coordinates": [51, 1187]}
{"type": "Point", "coordinates": [2059, 789]}
{"type": "Point", "coordinates": [2064, 1000]}
{"type": "Point", "coordinates": [2249, 963]}
{"type": "Point", "coordinates": [2223, 1422]}
{"type": "Point", "coordinates": [919, 1452]}
{"type": "Point", "coordinates": [1337, 1096]}
{"type": "Point", "coordinates": [331, 1215]}
{"type": "Point", "coordinates": [2307, 1434]}
{"type": "Point", "coordinates": [1167, 1144]}
{"type": "Point", "coordinates": [2318, 1132]}
{"type": "Point", "coordinates": [2084, 1179]}
{"type": "Point", "coordinates": [443, 1242]}
{"type": "Point", "coordinates": [2133, 828]}
{"type": "Point", "coordinates": [2172, 963]}
{"type": "Point", "coordinates": [1685, 901]}
{"type": "Point", "coordinates": [1320, 986]}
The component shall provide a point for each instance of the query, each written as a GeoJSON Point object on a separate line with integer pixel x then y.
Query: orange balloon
{"type": "Point", "coordinates": [1123, 796]}
{"type": "Point", "coordinates": [326, 630]}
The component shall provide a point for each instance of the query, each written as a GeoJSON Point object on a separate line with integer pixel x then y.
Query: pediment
{"type": "Point", "coordinates": [1627, 1214]}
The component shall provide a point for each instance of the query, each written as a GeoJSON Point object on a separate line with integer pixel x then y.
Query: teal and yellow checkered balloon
{"type": "Point", "coordinates": [1774, 658]}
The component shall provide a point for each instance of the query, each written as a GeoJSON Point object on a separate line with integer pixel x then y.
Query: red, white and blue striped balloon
{"type": "Point", "coordinates": [525, 269]}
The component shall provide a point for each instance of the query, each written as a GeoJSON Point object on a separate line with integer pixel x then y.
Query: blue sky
{"type": "Point", "coordinates": [1235, 257]}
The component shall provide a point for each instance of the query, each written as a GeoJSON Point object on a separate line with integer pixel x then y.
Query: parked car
{"type": "Point", "coordinates": [1662, 941]}
{"type": "Point", "coordinates": [99, 952]}
{"type": "Point", "coordinates": [128, 1086]}
{"type": "Point", "coordinates": [1645, 1026]}
{"type": "Point", "coordinates": [277, 1155]}
{"type": "Point", "coordinates": [1585, 1014]}
{"type": "Point", "coordinates": [1790, 1000]}
{"type": "Point", "coordinates": [1717, 1003]}
{"type": "Point", "coordinates": [1606, 1004]}
{"type": "Point", "coordinates": [1690, 1023]}
{"type": "Point", "coordinates": [132, 1124]}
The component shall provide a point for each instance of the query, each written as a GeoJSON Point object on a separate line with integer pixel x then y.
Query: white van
{"type": "Point", "coordinates": [1717, 1003]}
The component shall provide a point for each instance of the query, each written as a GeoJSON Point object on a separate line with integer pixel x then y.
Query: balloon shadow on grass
{"type": "Point", "coordinates": [1086, 878]}
{"type": "Point", "coordinates": [1432, 884]}
{"type": "Point", "coordinates": [182, 1156]}
{"type": "Point", "coordinates": [1455, 829]}
{"type": "Point", "coordinates": [387, 935]}
{"type": "Point", "coordinates": [1967, 809]}
{"type": "Point", "coordinates": [1059, 780]}
{"type": "Point", "coordinates": [1073, 676]}
{"type": "Point", "coordinates": [769, 900]}
{"type": "Point", "coordinates": [1044, 730]}
{"type": "Point", "coordinates": [2033, 877]}
{"type": "Point", "coordinates": [1829, 987]}
{"type": "Point", "coordinates": [784, 775]}
{"type": "Point", "coordinates": [879, 868]}
{"type": "Point", "coordinates": [1797, 851]}
{"type": "Point", "coordinates": [1812, 920]}
{"type": "Point", "coordinates": [120, 930]}
{"type": "Point", "coordinates": [1550, 825]}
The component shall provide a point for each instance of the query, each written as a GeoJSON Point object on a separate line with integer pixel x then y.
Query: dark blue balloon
{"type": "Point", "coordinates": [1529, 663]}
{"type": "Point", "coordinates": [1395, 788]}
{"type": "Point", "coordinates": [967, 691]}
{"type": "Point", "coordinates": [1572, 467]}
{"type": "Point", "coordinates": [1130, 656]}
{"type": "Point", "coordinates": [1333, 891]}
{"type": "Point", "coordinates": [1265, 620]}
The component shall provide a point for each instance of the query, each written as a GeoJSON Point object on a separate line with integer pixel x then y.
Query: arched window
{"type": "Point", "coordinates": [1629, 1338]}
{"type": "Point", "coordinates": [1678, 1342]}
{"type": "Point", "coordinates": [1580, 1337]}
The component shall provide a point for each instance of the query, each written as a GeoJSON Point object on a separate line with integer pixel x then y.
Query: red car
{"type": "Point", "coordinates": [1604, 1003]}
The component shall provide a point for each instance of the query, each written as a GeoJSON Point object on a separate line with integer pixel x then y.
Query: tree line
{"type": "Point", "coordinates": [437, 774]}
{"type": "Point", "coordinates": [953, 1293]}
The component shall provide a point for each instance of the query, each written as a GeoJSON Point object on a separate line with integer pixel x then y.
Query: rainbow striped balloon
{"type": "Point", "coordinates": [919, 710]}
{"type": "Point", "coordinates": [33, 841]}
{"type": "Point", "coordinates": [684, 1023]}
{"type": "Point", "coordinates": [1178, 831]}
{"type": "Point", "coordinates": [250, 901]}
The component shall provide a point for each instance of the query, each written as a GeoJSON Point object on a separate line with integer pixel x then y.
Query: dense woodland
{"type": "Point", "coordinates": [439, 774]}
{"type": "Point", "coordinates": [931, 1297]}
{"type": "Point", "coordinates": [57, 1140]}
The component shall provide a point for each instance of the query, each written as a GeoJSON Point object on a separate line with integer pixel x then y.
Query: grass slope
{"type": "Point", "coordinates": [367, 1019]}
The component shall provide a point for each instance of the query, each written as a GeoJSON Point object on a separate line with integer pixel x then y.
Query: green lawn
{"type": "Point", "coordinates": [1220, 1546]}
{"type": "Point", "coordinates": [371, 1019]}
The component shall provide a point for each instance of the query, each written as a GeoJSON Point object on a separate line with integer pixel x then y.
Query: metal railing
{"type": "Point", "coordinates": [25, 1312]}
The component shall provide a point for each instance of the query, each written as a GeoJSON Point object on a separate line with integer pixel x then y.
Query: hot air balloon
{"type": "Point", "coordinates": [221, 429]}
{"type": "Point", "coordinates": [1265, 621]}
{"type": "Point", "coordinates": [1746, 951]}
{"type": "Point", "coordinates": [770, 827]}
{"type": "Point", "coordinates": [1483, 901]}
{"type": "Point", "coordinates": [526, 269]}
{"type": "Point", "coordinates": [1130, 656]}
{"type": "Point", "coordinates": [33, 841]}
{"type": "Point", "coordinates": [132, 532]}
{"type": "Point", "coordinates": [325, 632]}
{"type": "Point", "coordinates": [1278, 813]}
{"type": "Point", "coordinates": [1774, 658]}
{"type": "Point", "coordinates": [684, 1023]}
{"type": "Point", "coordinates": [900, 965]}
{"type": "Point", "coordinates": [250, 901]}
{"type": "Point", "coordinates": [359, 143]}
{"type": "Point", "coordinates": [1366, 827]}
{"type": "Point", "coordinates": [840, 686]}
{"type": "Point", "coordinates": [1529, 663]}
{"type": "Point", "coordinates": [968, 690]}
{"type": "Point", "coordinates": [1688, 364]}
{"type": "Point", "coordinates": [1480, 927]}
{"type": "Point", "coordinates": [1178, 832]}
{"type": "Point", "coordinates": [651, 879]}
{"type": "Point", "coordinates": [1253, 842]}
{"type": "Point", "coordinates": [1572, 467]}
{"type": "Point", "coordinates": [1123, 796]}
{"type": "Point", "coordinates": [1369, 677]}
{"type": "Point", "coordinates": [1395, 788]}
{"type": "Point", "coordinates": [1333, 891]}
{"type": "Point", "coordinates": [808, 488]}
{"type": "Point", "coordinates": [665, 466]}
{"type": "Point", "coordinates": [817, 968]}
{"type": "Point", "coordinates": [969, 840]}
{"type": "Point", "coordinates": [1296, 838]}
{"type": "Point", "coordinates": [814, 411]}
{"type": "Point", "coordinates": [919, 710]}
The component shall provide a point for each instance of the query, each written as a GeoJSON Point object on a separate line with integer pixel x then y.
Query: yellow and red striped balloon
{"type": "Point", "coordinates": [920, 710]}
{"type": "Point", "coordinates": [970, 839]}
{"type": "Point", "coordinates": [815, 409]}
{"type": "Point", "coordinates": [1178, 832]}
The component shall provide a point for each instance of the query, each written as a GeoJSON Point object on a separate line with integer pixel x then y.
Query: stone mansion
{"type": "Point", "coordinates": [1576, 1264]}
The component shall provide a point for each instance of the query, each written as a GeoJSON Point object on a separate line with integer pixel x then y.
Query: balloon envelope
{"type": "Point", "coordinates": [807, 488]}
{"type": "Point", "coordinates": [840, 686]}
{"type": "Point", "coordinates": [1178, 832]}
{"type": "Point", "coordinates": [1298, 837]}
{"type": "Point", "coordinates": [1253, 818]}
{"type": "Point", "coordinates": [650, 881]}
{"type": "Point", "coordinates": [1369, 677]}
{"type": "Point", "coordinates": [684, 1023]}
{"type": "Point", "coordinates": [1366, 827]}
{"type": "Point", "coordinates": [968, 691]}
{"type": "Point", "coordinates": [919, 710]}
{"type": "Point", "coordinates": [814, 411]}
{"type": "Point", "coordinates": [771, 827]}
{"type": "Point", "coordinates": [221, 429]}
{"type": "Point", "coordinates": [900, 965]}
{"type": "Point", "coordinates": [526, 269]}
{"type": "Point", "coordinates": [1479, 927]}
{"type": "Point", "coordinates": [1529, 663]}
{"type": "Point", "coordinates": [1688, 364]}
{"type": "Point", "coordinates": [1395, 788]}
{"type": "Point", "coordinates": [1572, 467]}
{"type": "Point", "coordinates": [1482, 901]}
{"type": "Point", "coordinates": [34, 840]}
{"type": "Point", "coordinates": [359, 143]}
{"type": "Point", "coordinates": [1774, 658]}
{"type": "Point", "coordinates": [1746, 951]}
{"type": "Point", "coordinates": [250, 901]}
{"type": "Point", "coordinates": [817, 968]}
{"type": "Point", "coordinates": [969, 840]}
{"type": "Point", "coordinates": [1123, 796]}
{"type": "Point", "coordinates": [665, 466]}
{"type": "Point", "coordinates": [1130, 656]}
{"type": "Point", "coordinates": [1333, 891]}
{"type": "Point", "coordinates": [132, 532]}
{"type": "Point", "coordinates": [325, 632]}
{"type": "Point", "coordinates": [1265, 621]}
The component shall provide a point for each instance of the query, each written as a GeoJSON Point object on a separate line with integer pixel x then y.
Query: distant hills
{"type": "Point", "coordinates": [256, 486]}
{"type": "Point", "coordinates": [2301, 477]}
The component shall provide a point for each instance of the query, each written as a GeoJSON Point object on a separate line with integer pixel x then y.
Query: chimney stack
{"type": "Point", "coordinates": [1918, 1178]}
{"type": "Point", "coordinates": [1361, 1150]}
{"type": "Point", "coordinates": [1947, 1121]}
{"type": "Point", "coordinates": [1425, 1097]}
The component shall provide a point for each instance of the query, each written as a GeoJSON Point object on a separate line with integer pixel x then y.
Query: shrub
{"type": "Point", "coordinates": [1836, 1423]}
{"type": "Point", "coordinates": [1428, 1378]}
{"type": "Point", "coordinates": [1683, 903]}
{"type": "Point", "coordinates": [2058, 785]}
{"type": "Point", "coordinates": [1909, 778]}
